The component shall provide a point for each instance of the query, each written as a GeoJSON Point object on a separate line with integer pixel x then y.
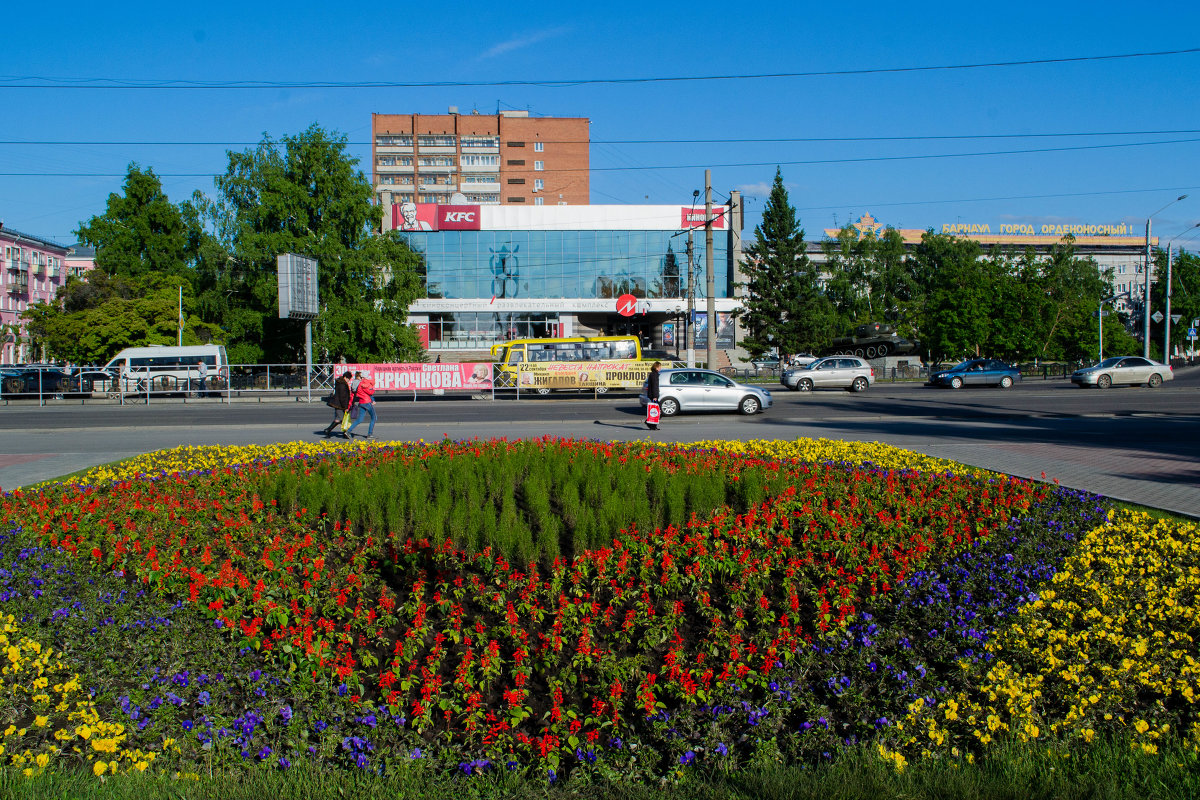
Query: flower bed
{"type": "Point", "coordinates": [545, 606]}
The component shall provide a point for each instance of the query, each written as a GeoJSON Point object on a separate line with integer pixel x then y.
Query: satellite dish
{"type": "Point", "coordinates": [459, 199]}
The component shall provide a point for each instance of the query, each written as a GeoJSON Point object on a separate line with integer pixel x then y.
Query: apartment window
{"type": "Point", "coordinates": [537, 201]}
{"type": "Point", "coordinates": [405, 180]}
{"type": "Point", "coordinates": [428, 198]}
{"type": "Point", "coordinates": [539, 147]}
{"type": "Point", "coordinates": [516, 199]}
{"type": "Point", "coordinates": [391, 140]}
{"type": "Point", "coordinates": [387, 180]}
{"type": "Point", "coordinates": [387, 161]}
{"type": "Point", "coordinates": [516, 144]}
{"type": "Point", "coordinates": [485, 178]}
{"type": "Point", "coordinates": [538, 184]}
{"type": "Point", "coordinates": [404, 161]}
{"type": "Point", "coordinates": [480, 141]}
{"type": "Point", "coordinates": [406, 197]}
{"type": "Point", "coordinates": [516, 181]}
{"type": "Point", "coordinates": [477, 197]}
{"type": "Point", "coordinates": [539, 165]}
{"type": "Point", "coordinates": [436, 161]}
{"type": "Point", "coordinates": [436, 141]}
{"type": "Point", "coordinates": [515, 162]}
{"type": "Point", "coordinates": [481, 161]}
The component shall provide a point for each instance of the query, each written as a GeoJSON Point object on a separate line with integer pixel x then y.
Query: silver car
{"type": "Point", "coordinates": [1130, 370]}
{"type": "Point", "coordinates": [705, 390]}
{"type": "Point", "coordinates": [836, 372]}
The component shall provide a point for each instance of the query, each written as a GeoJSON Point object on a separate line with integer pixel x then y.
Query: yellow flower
{"type": "Point", "coordinates": [99, 767]}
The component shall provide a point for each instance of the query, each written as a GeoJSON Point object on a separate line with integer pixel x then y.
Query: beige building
{"type": "Point", "coordinates": [508, 158]}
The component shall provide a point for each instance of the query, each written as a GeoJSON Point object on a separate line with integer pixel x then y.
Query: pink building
{"type": "Point", "coordinates": [32, 272]}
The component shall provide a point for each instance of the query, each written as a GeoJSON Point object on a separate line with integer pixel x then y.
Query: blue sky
{"type": "Point", "coordinates": [470, 42]}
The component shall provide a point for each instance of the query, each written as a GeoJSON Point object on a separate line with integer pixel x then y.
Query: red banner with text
{"type": "Point", "coordinates": [424, 377]}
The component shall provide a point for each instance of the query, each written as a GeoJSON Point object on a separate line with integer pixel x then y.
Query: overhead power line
{"type": "Point", "coordinates": [781, 140]}
{"type": "Point", "coordinates": [807, 162]}
{"type": "Point", "coordinates": [41, 82]}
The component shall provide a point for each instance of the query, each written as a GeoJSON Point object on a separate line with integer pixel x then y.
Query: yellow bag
{"type": "Point", "coordinates": [346, 420]}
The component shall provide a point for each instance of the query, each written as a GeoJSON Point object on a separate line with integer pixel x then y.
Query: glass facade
{"type": "Point", "coordinates": [566, 264]}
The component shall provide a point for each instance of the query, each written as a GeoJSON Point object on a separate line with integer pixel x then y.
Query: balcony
{"type": "Point", "coordinates": [18, 285]}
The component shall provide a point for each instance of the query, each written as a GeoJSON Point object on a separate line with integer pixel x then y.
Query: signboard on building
{"type": "Point", "coordinates": [297, 286]}
{"type": "Point", "coordinates": [694, 217]}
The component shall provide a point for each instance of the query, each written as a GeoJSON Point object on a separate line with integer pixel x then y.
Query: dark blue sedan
{"type": "Point", "coordinates": [977, 372]}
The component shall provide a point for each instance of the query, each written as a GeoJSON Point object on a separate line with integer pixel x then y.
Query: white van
{"type": "Point", "coordinates": [167, 368]}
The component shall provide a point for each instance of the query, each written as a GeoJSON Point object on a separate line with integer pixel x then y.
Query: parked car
{"type": "Point", "coordinates": [801, 359]}
{"type": "Point", "coordinates": [765, 362]}
{"type": "Point", "coordinates": [29, 382]}
{"type": "Point", "coordinates": [832, 372]}
{"type": "Point", "coordinates": [977, 372]}
{"type": "Point", "coordinates": [705, 390]}
{"type": "Point", "coordinates": [1130, 370]}
{"type": "Point", "coordinates": [88, 381]}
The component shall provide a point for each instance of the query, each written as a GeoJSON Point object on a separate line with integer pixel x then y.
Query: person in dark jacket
{"type": "Point", "coordinates": [652, 390]}
{"type": "Point", "coordinates": [339, 401]}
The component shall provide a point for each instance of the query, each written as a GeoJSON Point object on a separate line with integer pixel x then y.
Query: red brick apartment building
{"type": "Point", "coordinates": [508, 158]}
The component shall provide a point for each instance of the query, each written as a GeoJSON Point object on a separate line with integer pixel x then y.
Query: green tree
{"type": "Point", "coordinates": [871, 279]}
{"type": "Point", "coordinates": [956, 296]}
{"type": "Point", "coordinates": [1185, 299]}
{"type": "Point", "coordinates": [92, 319]}
{"type": "Point", "coordinates": [141, 232]}
{"type": "Point", "coordinates": [784, 306]}
{"type": "Point", "coordinates": [304, 194]}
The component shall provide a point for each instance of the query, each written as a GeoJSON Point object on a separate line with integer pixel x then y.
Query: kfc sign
{"type": "Point", "coordinates": [694, 217]}
{"type": "Point", "coordinates": [458, 218]}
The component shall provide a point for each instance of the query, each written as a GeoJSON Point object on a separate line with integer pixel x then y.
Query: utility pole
{"type": "Point", "coordinates": [690, 327]}
{"type": "Point", "coordinates": [1146, 298]}
{"type": "Point", "coordinates": [1167, 321]}
{"type": "Point", "coordinates": [708, 271]}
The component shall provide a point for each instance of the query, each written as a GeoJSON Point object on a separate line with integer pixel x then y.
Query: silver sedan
{"type": "Point", "coordinates": [705, 390]}
{"type": "Point", "coordinates": [1131, 370]}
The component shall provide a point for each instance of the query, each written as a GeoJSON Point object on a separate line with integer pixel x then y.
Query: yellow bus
{"type": "Point", "coordinates": [562, 363]}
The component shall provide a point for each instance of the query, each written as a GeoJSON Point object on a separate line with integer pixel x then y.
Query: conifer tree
{"type": "Point", "coordinates": [784, 307]}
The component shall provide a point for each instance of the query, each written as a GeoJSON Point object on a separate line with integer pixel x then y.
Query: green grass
{"type": "Point", "coordinates": [1104, 771]}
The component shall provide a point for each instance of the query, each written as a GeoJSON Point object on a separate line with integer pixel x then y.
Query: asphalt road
{"type": "Point", "coordinates": [1134, 443]}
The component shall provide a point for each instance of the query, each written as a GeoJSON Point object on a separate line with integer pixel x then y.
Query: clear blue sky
{"type": "Point", "coordinates": [475, 42]}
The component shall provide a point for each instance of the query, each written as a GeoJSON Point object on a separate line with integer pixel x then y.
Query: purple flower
{"type": "Point", "coordinates": [721, 749]}
{"type": "Point", "coordinates": [687, 758]}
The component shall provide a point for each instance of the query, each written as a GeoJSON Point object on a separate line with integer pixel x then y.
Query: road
{"type": "Point", "coordinates": [1134, 443]}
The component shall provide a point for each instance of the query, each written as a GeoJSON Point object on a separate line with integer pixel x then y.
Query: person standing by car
{"type": "Point", "coordinates": [339, 401]}
{"type": "Point", "coordinates": [364, 399]}
{"type": "Point", "coordinates": [653, 411]}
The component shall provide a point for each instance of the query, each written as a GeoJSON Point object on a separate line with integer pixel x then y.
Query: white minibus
{"type": "Point", "coordinates": [167, 368]}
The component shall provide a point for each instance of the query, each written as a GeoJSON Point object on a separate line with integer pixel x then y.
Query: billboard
{"type": "Point", "coordinates": [725, 330]}
{"type": "Point", "coordinates": [297, 286]}
{"type": "Point", "coordinates": [424, 377]}
{"type": "Point", "coordinates": [584, 375]}
{"type": "Point", "coordinates": [433, 217]}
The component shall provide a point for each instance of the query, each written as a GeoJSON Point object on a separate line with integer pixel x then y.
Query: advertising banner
{"type": "Point", "coordinates": [668, 334]}
{"type": "Point", "coordinates": [585, 375]}
{"type": "Point", "coordinates": [725, 330]}
{"type": "Point", "coordinates": [424, 377]}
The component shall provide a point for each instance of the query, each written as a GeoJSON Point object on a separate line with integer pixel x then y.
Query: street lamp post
{"type": "Point", "coordinates": [1146, 293]}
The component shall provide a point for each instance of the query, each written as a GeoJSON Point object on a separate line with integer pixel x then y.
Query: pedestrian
{"type": "Point", "coordinates": [202, 370]}
{"type": "Point", "coordinates": [339, 401]}
{"type": "Point", "coordinates": [364, 398]}
{"type": "Point", "coordinates": [653, 412]}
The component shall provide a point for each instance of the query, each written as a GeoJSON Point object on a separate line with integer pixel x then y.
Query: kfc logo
{"type": "Point", "coordinates": [458, 218]}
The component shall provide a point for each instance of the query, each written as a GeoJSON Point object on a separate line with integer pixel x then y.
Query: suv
{"type": "Point", "coordinates": [838, 372]}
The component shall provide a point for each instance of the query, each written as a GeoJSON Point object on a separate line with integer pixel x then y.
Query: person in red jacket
{"type": "Point", "coordinates": [364, 398]}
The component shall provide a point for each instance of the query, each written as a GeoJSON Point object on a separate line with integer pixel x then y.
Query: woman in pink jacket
{"type": "Point", "coordinates": [364, 398]}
